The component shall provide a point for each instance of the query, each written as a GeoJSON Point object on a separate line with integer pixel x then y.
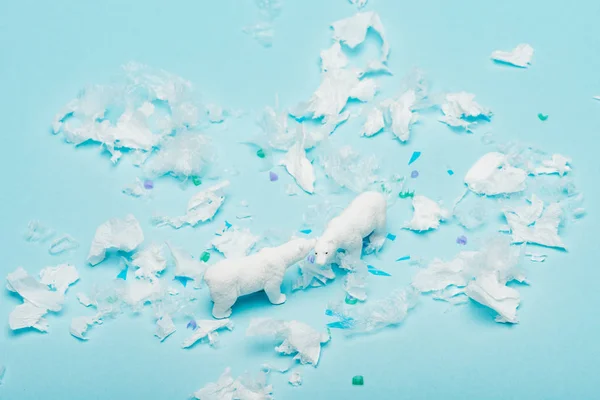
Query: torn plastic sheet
{"type": "Point", "coordinates": [37, 232]}
{"type": "Point", "coordinates": [355, 282]}
{"type": "Point", "coordinates": [401, 114]}
{"type": "Point", "coordinates": [201, 207]}
{"type": "Point", "coordinates": [136, 189]}
{"type": "Point", "coordinates": [492, 175]}
{"type": "Point", "coordinates": [359, 3]}
{"type": "Point", "coordinates": [28, 315]}
{"type": "Point", "coordinates": [348, 169]}
{"type": "Point", "coordinates": [333, 58]}
{"type": "Point", "coordinates": [353, 31]}
{"type": "Point", "coordinates": [115, 234]}
{"type": "Point", "coordinates": [263, 31]}
{"type": "Point", "coordinates": [557, 165]}
{"type": "Point", "coordinates": [207, 329]}
{"type": "Point", "coordinates": [60, 277]}
{"type": "Point", "coordinates": [489, 290]}
{"type": "Point", "coordinates": [164, 327]}
{"type": "Point", "coordinates": [150, 262]}
{"type": "Point", "coordinates": [373, 315]}
{"type": "Point", "coordinates": [536, 257]}
{"type": "Point", "coordinates": [312, 275]}
{"type": "Point", "coordinates": [84, 299]}
{"type": "Point", "coordinates": [461, 105]}
{"type": "Point", "coordinates": [242, 388]}
{"type": "Point", "coordinates": [374, 123]}
{"type": "Point", "coordinates": [185, 155]}
{"type": "Point", "coordinates": [186, 266]}
{"type": "Point", "coordinates": [62, 244]}
{"type": "Point", "coordinates": [427, 214]}
{"type": "Point", "coordinates": [234, 242]}
{"type": "Point", "coordinates": [36, 293]}
{"type": "Point", "coordinates": [216, 114]}
{"type": "Point", "coordinates": [520, 56]}
{"type": "Point", "coordinates": [535, 228]}
{"type": "Point", "coordinates": [440, 275]}
{"type": "Point", "coordinates": [295, 379]}
{"type": "Point", "coordinates": [80, 325]}
{"type": "Point", "coordinates": [299, 167]}
{"type": "Point", "coordinates": [298, 338]}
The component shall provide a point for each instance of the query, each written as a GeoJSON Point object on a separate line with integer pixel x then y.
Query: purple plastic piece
{"type": "Point", "coordinates": [148, 184]}
{"type": "Point", "coordinates": [273, 176]}
{"type": "Point", "coordinates": [414, 174]}
{"type": "Point", "coordinates": [462, 240]}
{"type": "Point", "coordinates": [192, 324]}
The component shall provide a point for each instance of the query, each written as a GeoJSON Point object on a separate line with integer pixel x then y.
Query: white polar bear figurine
{"type": "Point", "coordinates": [231, 278]}
{"type": "Point", "coordinates": [364, 216]}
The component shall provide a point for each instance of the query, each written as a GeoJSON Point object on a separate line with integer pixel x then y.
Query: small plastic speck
{"type": "Point", "coordinates": [450, 172]}
{"type": "Point", "coordinates": [414, 174]}
{"type": "Point", "coordinates": [358, 380]}
{"type": "Point", "coordinates": [405, 258]}
{"type": "Point", "coordinates": [273, 176]}
{"type": "Point", "coordinates": [123, 274]}
{"type": "Point", "coordinates": [461, 240]}
{"type": "Point", "coordinates": [196, 181]}
{"type": "Point", "coordinates": [192, 325]}
{"type": "Point", "coordinates": [542, 117]}
{"type": "Point", "coordinates": [406, 194]}
{"type": "Point", "coordinates": [260, 153]}
{"type": "Point", "coordinates": [311, 259]}
{"type": "Point", "coordinates": [414, 157]}
{"type": "Point", "coordinates": [351, 300]}
{"type": "Point", "coordinates": [306, 231]}
{"type": "Point", "coordinates": [391, 236]}
{"type": "Point", "coordinates": [205, 256]}
{"type": "Point", "coordinates": [148, 184]}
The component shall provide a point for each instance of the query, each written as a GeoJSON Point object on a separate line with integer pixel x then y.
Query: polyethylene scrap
{"type": "Point", "coordinates": [164, 327]}
{"type": "Point", "coordinates": [80, 325]}
{"type": "Point", "coordinates": [298, 338]}
{"type": "Point", "coordinates": [402, 115]}
{"type": "Point", "coordinates": [520, 56]}
{"type": "Point", "coordinates": [59, 278]}
{"type": "Point", "coordinates": [427, 214]}
{"type": "Point", "coordinates": [353, 31]}
{"type": "Point", "coordinates": [374, 315]}
{"type": "Point", "coordinates": [348, 169]}
{"type": "Point", "coordinates": [241, 388]}
{"type": "Point", "coordinates": [150, 262]}
{"type": "Point", "coordinates": [234, 242]}
{"type": "Point", "coordinates": [559, 164]}
{"type": "Point", "coordinates": [491, 291]}
{"type": "Point", "coordinates": [62, 244]}
{"type": "Point", "coordinates": [492, 175]}
{"type": "Point", "coordinates": [374, 123]}
{"type": "Point", "coordinates": [333, 58]}
{"type": "Point", "coordinates": [207, 329]}
{"type": "Point", "coordinates": [186, 266]}
{"type": "Point", "coordinates": [115, 234]}
{"type": "Point", "coordinates": [184, 155]}
{"type": "Point", "coordinates": [440, 275]}
{"type": "Point", "coordinates": [461, 105]}
{"type": "Point", "coordinates": [136, 189]}
{"type": "Point", "coordinates": [295, 379]}
{"type": "Point", "coordinates": [536, 227]}
{"type": "Point", "coordinates": [299, 167]}
{"type": "Point", "coordinates": [38, 232]}
{"type": "Point", "coordinates": [359, 3]}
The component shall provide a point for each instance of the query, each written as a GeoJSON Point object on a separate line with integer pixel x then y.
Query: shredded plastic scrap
{"type": "Point", "coordinates": [558, 164]}
{"type": "Point", "coordinates": [427, 214]}
{"type": "Point", "coordinates": [115, 234]}
{"type": "Point", "coordinates": [185, 265]}
{"type": "Point", "coordinates": [59, 278]}
{"type": "Point", "coordinates": [183, 156]}
{"type": "Point", "coordinates": [461, 106]}
{"type": "Point", "coordinates": [353, 31]}
{"type": "Point", "coordinates": [234, 242]}
{"type": "Point", "coordinates": [150, 262]}
{"type": "Point", "coordinates": [242, 388]}
{"type": "Point", "coordinates": [492, 175]}
{"type": "Point", "coordinates": [520, 56]}
{"type": "Point", "coordinates": [207, 329]}
{"type": "Point", "coordinates": [299, 167]}
{"type": "Point", "coordinates": [530, 224]}
{"type": "Point", "coordinates": [298, 338]}
{"type": "Point", "coordinates": [348, 169]}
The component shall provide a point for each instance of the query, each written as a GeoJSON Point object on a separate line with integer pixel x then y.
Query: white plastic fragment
{"type": "Point", "coordinates": [37, 232]}
{"type": "Point", "coordinates": [542, 230]}
{"type": "Point", "coordinates": [492, 175]}
{"type": "Point", "coordinates": [489, 290]}
{"type": "Point", "coordinates": [84, 300]}
{"type": "Point", "coordinates": [136, 189]}
{"type": "Point", "coordinates": [536, 257]}
{"type": "Point", "coordinates": [427, 214]}
{"type": "Point", "coordinates": [557, 165]}
{"type": "Point", "coordinates": [298, 338]}
{"type": "Point", "coordinates": [353, 31]}
{"type": "Point", "coordinates": [458, 106]}
{"type": "Point", "coordinates": [295, 379]}
{"type": "Point", "coordinates": [207, 329]}
{"type": "Point", "coordinates": [242, 388]}
{"type": "Point", "coordinates": [348, 169]}
{"type": "Point", "coordinates": [402, 115]}
{"type": "Point", "coordinates": [234, 242]}
{"type": "Point", "coordinates": [137, 292]}
{"type": "Point", "coordinates": [115, 234]}
{"type": "Point", "coordinates": [80, 325]}
{"type": "Point", "coordinates": [62, 244]}
{"type": "Point", "coordinates": [374, 123]}
{"type": "Point", "coordinates": [182, 156]}
{"type": "Point", "coordinates": [359, 3]}
{"type": "Point", "coordinates": [60, 277]}
{"type": "Point", "coordinates": [164, 327]}
{"type": "Point", "coordinates": [201, 207]}
{"type": "Point", "coordinates": [216, 114]}
{"type": "Point", "coordinates": [28, 315]}
{"type": "Point", "coordinates": [333, 58]}
{"type": "Point", "coordinates": [150, 262]}
{"type": "Point", "coordinates": [300, 167]}
{"type": "Point", "coordinates": [520, 56]}
{"type": "Point", "coordinates": [185, 265]}
{"type": "Point", "coordinates": [439, 274]}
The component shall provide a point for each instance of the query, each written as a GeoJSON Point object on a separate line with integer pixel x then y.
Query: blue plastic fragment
{"type": "Point", "coordinates": [450, 172]}
{"type": "Point", "coordinates": [405, 258]}
{"type": "Point", "coordinates": [182, 279]}
{"type": "Point", "coordinates": [227, 225]}
{"type": "Point", "coordinates": [391, 236]}
{"type": "Point", "coordinates": [123, 274]}
{"type": "Point", "coordinates": [192, 324]}
{"type": "Point", "coordinates": [414, 157]}
{"type": "Point", "coordinates": [343, 323]}
{"type": "Point", "coordinates": [311, 259]}
{"type": "Point", "coordinates": [376, 271]}
{"type": "Point", "coordinates": [306, 231]}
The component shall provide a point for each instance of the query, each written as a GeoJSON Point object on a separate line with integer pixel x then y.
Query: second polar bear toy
{"type": "Point", "coordinates": [231, 278]}
{"type": "Point", "coordinates": [364, 216]}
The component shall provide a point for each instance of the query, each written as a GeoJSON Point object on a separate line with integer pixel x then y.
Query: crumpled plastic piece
{"type": "Point", "coordinates": [402, 115]}
{"type": "Point", "coordinates": [520, 56]}
{"type": "Point", "coordinates": [298, 338]}
{"type": "Point", "coordinates": [164, 327]}
{"type": "Point", "coordinates": [374, 123]}
{"type": "Point", "coordinates": [440, 275]}
{"type": "Point", "coordinates": [491, 291]}
{"type": "Point", "coordinates": [461, 105]}
{"type": "Point", "coordinates": [353, 31]}
{"type": "Point", "coordinates": [355, 283]}
{"type": "Point", "coordinates": [557, 165]}
{"type": "Point", "coordinates": [359, 3]}
{"type": "Point", "coordinates": [201, 207]}
{"type": "Point", "coordinates": [63, 244]}
{"type": "Point", "coordinates": [136, 293]}
{"type": "Point", "coordinates": [185, 265]}
{"type": "Point", "coordinates": [207, 329]}
{"type": "Point", "coordinates": [492, 175]}
{"type": "Point", "coordinates": [119, 234]}
{"type": "Point", "coordinates": [333, 58]}
{"type": "Point", "coordinates": [182, 156]}
{"type": "Point", "coordinates": [295, 379]}
{"type": "Point", "coordinates": [427, 214]}
{"type": "Point", "coordinates": [216, 114]}
{"type": "Point", "coordinates": [242, 388]}
{"type": "Point", "coordinates": [348, 169]}
{"type": "Point", "coordinates": [234, 242]}
{"type": "Point", "coordinates": [312, 275]}
{"type": "Point", "coordinates": [60, 277]}
{"type": "Point", "coordinates": [136, 189]}
{"type": "Point", "coordinates": [470, 210]}
{"type": "Point", "coordinates": [374, 315]}
{"type": "Point", "coordinates": [300, 167]}
{"type": "Point", "coordinates": [150, 262]}
{"type": "Point", "coordinates": [531, 225]}
{"type": "Point", "coordinates": [37, 232]}
{"type": "Point", "coordinates": [80, 325]}
{"type": "Point", "coordinates": [536, 257]}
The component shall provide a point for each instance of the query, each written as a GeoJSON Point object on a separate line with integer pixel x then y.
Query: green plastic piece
{"type": "Point", "coordinates": [205, 256]}
{"type": "Point", "coordinates": [406, 194]}
{"type": "Point", "coordinates": [542, 117]}
{"type": "Point", "coordinates": [260, 153]}
{"type": "Point", "coordinates": [351, 300]}
{"type": "Point", "coordinates": [358, 380]}
{"type": "Point", "coordinates": [196, 180]}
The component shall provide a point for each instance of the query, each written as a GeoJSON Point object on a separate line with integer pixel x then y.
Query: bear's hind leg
{"type": "Point", "coordinates": [222, 307]}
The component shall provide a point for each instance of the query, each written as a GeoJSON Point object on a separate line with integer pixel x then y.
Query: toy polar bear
{"type": "Point", "coordinates": [231, 278]}
{"type": "Point", "coordinates": [364, 216]}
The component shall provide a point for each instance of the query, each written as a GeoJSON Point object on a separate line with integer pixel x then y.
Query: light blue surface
{"type": "Point", "coordinates": [50, 50]}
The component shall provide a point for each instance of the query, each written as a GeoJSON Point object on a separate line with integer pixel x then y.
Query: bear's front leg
{"type": "Point", "coordinates": [273, 291]}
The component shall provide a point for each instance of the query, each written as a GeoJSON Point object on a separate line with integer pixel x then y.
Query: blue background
{"type": "Point", "coordinates": [50, 50]}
